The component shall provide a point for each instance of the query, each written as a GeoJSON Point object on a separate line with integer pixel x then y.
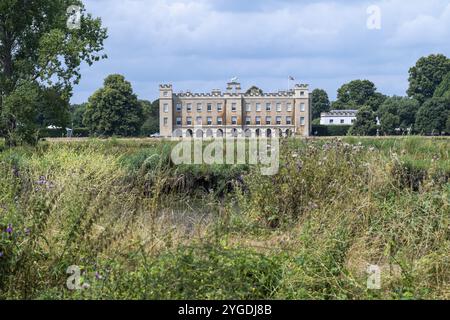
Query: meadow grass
{"type": "Point", "coordinates": [140, 227]}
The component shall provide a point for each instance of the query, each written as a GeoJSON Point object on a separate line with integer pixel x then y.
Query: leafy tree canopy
{"type": "Point", "coordinates": [320, 103]}
{"type": "Point", "coordinates": [255, 90]}
{"type": "Point", "coordinates": [366, 123]}
{"type": "Point", "coordinates": [398, 112]}
{"type": "Point", "coordinates": [443, 90]}
{"type": "Point", "coordinates": [39, 51]}
{"type": "Point", "coordinates": [358, 93]}
{"type": "Point", "coordinates": [151, 116]}
{"type": "Point", "coordinates": [114, 109]}
{"type": "Point", "coordinates": [433, 115]}
{"type": "Point", "coordinates": [427, 75]}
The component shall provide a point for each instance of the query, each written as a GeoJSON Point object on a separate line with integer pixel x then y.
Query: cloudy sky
{"type": "Point", "coordinates": [199, 45]}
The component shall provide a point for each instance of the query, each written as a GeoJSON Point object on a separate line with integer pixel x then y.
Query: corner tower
{"type": "Point", "coordinates": [166, 110]}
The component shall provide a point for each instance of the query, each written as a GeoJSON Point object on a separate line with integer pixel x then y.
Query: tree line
{"type": "Point", "coordinates": [40, 59]}
{"type": "Point", "coordinates": [425, 110]}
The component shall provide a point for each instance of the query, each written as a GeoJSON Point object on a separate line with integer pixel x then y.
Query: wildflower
{"type": "Point", "coordinates": [98, 276]}
{"type": "Point", "coordinates": [1, 254]}
{"type": "Point", "coordinates": [27, 231]}
{"type": "Point", "coordinates": [9, 229]}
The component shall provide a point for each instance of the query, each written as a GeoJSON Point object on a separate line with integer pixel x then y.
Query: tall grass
{"type": "Point", "coordinates": [141, 228]}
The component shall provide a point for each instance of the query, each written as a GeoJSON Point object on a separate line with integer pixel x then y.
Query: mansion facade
{"type": "Point", "coordinates": [235, 114]}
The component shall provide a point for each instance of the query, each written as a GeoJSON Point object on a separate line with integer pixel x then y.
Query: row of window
{"type": "Point", "coordinates": [234, 121]}
{"type": "Point", "coordinates": [342, 121]}
{"type": "Point", "coordinates": [248, 107]}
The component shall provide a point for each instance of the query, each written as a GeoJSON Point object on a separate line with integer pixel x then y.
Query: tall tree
{"type": "Point", "coordinates": [427, 75]}
{"type": "Point", "coordinates": [114, 109]}
{"type": "Point", "coordinates": [39, 50]}
{"type": "Point", "coordinates": [320, 103]}
{"type": "Point", "coordinates": [432, 116]}
{"type": "Point", "coordinates": [398, 112]}
{"type": "Point", "coordinates": [366, 123]}
{"type": "Point", "coordinates": [358, 93]}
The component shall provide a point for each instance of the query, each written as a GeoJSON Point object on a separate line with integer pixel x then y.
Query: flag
{"type": "Point", "coordinates": [291, 78]}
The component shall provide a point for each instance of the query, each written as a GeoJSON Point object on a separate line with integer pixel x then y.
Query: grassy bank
{"type": "Point", "coordinates": [141, 228]}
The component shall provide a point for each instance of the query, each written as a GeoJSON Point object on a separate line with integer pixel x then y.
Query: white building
{"type": "Point", "coordinates": [338, 117]}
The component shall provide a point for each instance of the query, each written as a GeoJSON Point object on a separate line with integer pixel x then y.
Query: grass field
{"type": "Point", "coordinates": [139, 227]}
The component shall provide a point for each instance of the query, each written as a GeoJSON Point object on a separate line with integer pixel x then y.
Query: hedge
{"type": "Point", "coordinates": [330, 131]}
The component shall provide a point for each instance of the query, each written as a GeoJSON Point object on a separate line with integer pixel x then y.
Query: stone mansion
{"type": "Point", "coordinates": [234, 113]}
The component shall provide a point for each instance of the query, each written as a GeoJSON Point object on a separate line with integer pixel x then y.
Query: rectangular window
{"type": "Point", "coordinates": [268, 120]}
{"type": "Point", "coordinates": [268, 107]}
{"type": "Point", "coordinates": [258, 121]}
{"type": "Point", "coordinates": [219, 121]}
{"type": "Point", "coordinates": [165, 94]}
{"type": "Point", "coordinates": [278, 107]}
{"type": "Point", "coordinates": [288, 121]}
{"type": "Point", "coordinates": [233, 107]}
{"type": "Point", "coordinates": [179, 121]}
{"type": "Point", "coordinates": [331, 121]}
{"type": "Point", "coordinates": [258, 107]}
{"type": "Point", "coordinates": [209, 121]}
{"type": "Point", "coordinates": [199, 107]}
{"type": "Point", "coordinates": [209, 107]}
{"type": "Point", "coordinates": [278, 120]}
{"type": "Point", "coordinates": [302, 107]}
{"type": "Point", "coordinates": [189, 121]}
{"type": "Point", "coordinates": [342, 121]}
{"type": "Point", "coordinates": [353, 120]}
{"type": "Point", "coordinates": [302, 93]}
{"type": "Point", "coordinates": [248, 107]}
{"type": "Point", "coordinates": [166, 107]}
{"type": "Point", "coordinates": [199, 121]}
{"type": "Point", "coordinates": [219, 107]}
{"type": "Point", "coordinates": [179, 107]}
{"type": "Point", "coordinates": [289, 107]}
{"type": "Point", "coordinates": [302, 121]}
{"type": "Point", "coordinates": [166, 121]}
{"type": "Point", "coordinates": [248, 121]}
{"type": "Point", "coordinates": [189, 107]}
{"type": "Point", "coordinates": [234, 121]}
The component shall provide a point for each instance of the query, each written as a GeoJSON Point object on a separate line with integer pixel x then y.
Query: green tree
{"type": "Point", "coordinates": [38, 49]}
{"type": "Point", "coordinates": [76, 115]}
{"type": "Point", "coordinates": [365, 124]}
{"type": "Point", "coordinates": [320, 103]}
{"type": "Point", "coordinates": [255, 90]}
{"type": "Point", "coordinates": [358, 93]}
{"type": "Point", "coordinates": [53, 109]}
{"type": "Point", "coordinates": [398, 112]}
{"type": "Point", "coordinates": [432, 116]}
{"type": "Point", "coordinates": [427, 75]}
{"type": "Point", "coordinates": [443, 90]}
{"type": "Point", "coordinates": [114, 109]}
{"type": "Point", "coordinates": [151, 116]}
{"type": "Point", "coordinates": [447, 127]}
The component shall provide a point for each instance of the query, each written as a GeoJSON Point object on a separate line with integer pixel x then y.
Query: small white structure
{"type": "Point", "coordinates": [338, 117]}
